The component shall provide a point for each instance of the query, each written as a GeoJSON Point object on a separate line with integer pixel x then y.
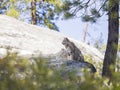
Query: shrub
{"type": "Point", "coordinates": [18, 73]}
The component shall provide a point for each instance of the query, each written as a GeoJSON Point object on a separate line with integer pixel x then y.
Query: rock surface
{"type": "Point", "coordinates": [69, 65]}
{"type": "Point", "coordinates": [28, 40]}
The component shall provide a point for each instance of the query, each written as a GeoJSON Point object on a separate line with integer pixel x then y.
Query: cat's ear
{"type": "Point", "coordinates": [66, 39]}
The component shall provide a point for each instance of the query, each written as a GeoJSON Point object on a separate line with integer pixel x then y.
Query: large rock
{"type": "Point", "coordinates": [30, 40]}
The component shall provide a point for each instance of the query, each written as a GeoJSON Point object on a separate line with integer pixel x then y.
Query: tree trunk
{"type": "Point", "coordinates": [33, 12]}
{"type": "Point", "coordinates": [113, 36]}
{"type": "Point", "coordinates": [85, 32]}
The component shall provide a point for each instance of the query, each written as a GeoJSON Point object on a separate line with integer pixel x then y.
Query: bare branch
{"type": "Point", "coordinates": [102, 5]}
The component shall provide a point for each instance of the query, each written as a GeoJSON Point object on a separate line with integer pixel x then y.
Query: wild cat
{"type": "Point", "coordinates": [73, 52]}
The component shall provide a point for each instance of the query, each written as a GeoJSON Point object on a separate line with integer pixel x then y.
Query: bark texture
{"type": "Point", "coordinates": [33, 12]}
{"type": "Point", "coordinates": [113, 36]}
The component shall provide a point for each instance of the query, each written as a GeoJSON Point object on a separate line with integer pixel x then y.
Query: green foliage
{"type": "Point", "coordinates": [18, 73]}
{"type": "Point", "coordinates": [68, 15]}
{"type": "Point", "coordinates": [21, 9]}
{"type": "Point", "coordinates": [55, 2]}
{"type": "Point", "coordinates": [95, 13]}
{"type": "Point", "coordinates": [88, 18]}
{"type": "Point", "coordinates": [13, 13]}
{"type": "Point", "coordinates": [8, 7]}
{"type": "Point", "coordinates": [87, 9]}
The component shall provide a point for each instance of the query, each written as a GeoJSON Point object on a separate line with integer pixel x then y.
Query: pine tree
{"type": "Point", "coordinates": [113, 36]}
{"type": "Point", "coordinates": [91, 10]}
{"type": "Point", "coordinates": [37, 12]}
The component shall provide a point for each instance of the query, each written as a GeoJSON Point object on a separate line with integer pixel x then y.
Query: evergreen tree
{"type": "Point", "coordinates": [38, 12]}
{"type": "Point", "coordinates": [2, 6]}
{"type": "Point", "coordinates": [91, 10]}
{"type": "Point", "coordinates": [45, 15]}
{"type": "Point", "coordinates": [113, 37]}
